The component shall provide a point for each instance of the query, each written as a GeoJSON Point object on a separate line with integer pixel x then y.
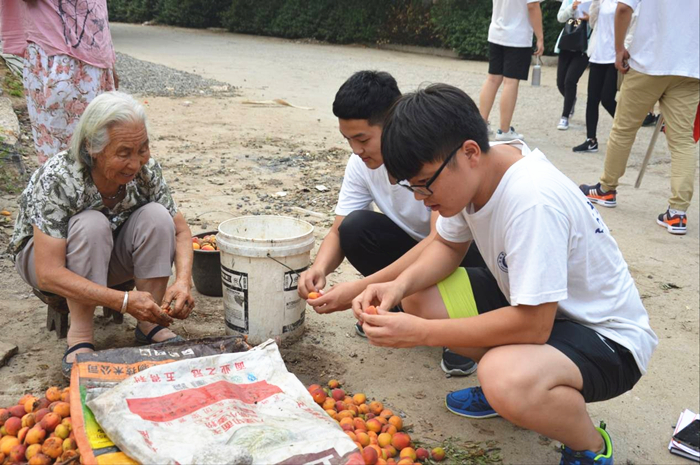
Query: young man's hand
{"type": "Point", "coordinates": [400, 330]}
{"type": "Point", "coordinates": [311, 280]}
{"type": "Point", "coordinates": [383, 296]}
{"type": "Point", "coordinates": [539, 50]}
{"type": "Point", "coordinates": [338, 297]}
{"type": "Point", "coordinates": [621, 61]}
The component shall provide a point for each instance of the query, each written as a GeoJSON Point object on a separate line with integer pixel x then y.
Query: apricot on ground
{"type": "Point", "coordinates": [376, 407]}
{"type": "Point", "coordinates": [396, 421]}
{"type": "Point", "coordinates": [422, 453]}
{"type": "Point", "coordinates": [373, 425]}
{"type": "Point", "coordinates": [35, 435]}
{"type": "Point", "coordinates": [359, 398]}
{"type": "Point", "coordinates": [319, 396]}
{"type": "Point", "coordinates": [12, 426]}
{"type": "Point", "coordinates": [50, 421]}
{"type": "Point", "coordinates": [400, 441]}
{"type": "Point", "coordinates": [17, 453]}
{"type": "Point", "coordinates": [438, 454]}
{"type": "Point", "coordinates": [408, 452]}
{"type": "Point", "coordinates": [62, 409]}
{"type": "Point", "coordinates": [362, 438]}
{"type": "Point", "coordinates": [384, 439]}
{"type": "Point", "coordinates": [32, 450]}
{"type": "Point", "coordinates": [40, 459]}
{"type": "Point", "coordinates": [53, 394]}
{"type": "Point", "coordinates": [7, 443]}
{"type": "Point", "coordinates": [334, 383]}
{"type": "Point", "coordinates": [338, 394]}
{"type": "Point", "coordinates": [370, 456]}
{"type": "Point", "coordinates": [52, 447]}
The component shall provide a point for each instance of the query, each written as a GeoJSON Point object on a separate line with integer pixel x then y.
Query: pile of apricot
{"type": "Point", "coordinates": [375, 430]}
{"type": "Point", "coordinates": [38, 431]}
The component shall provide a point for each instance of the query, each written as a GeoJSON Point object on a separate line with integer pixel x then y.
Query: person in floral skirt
{"type": "Point", "coordinates": [68, 61]}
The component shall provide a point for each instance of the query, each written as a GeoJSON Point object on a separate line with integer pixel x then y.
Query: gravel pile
{"type": "Point", "coordinates": [149, 79]}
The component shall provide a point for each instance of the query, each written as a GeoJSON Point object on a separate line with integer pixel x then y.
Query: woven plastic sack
{"type": "Point", "coordinates": [232, 408]}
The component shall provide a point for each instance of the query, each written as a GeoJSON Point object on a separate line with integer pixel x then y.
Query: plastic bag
{"type": "Point", "coordinates": [97, 372]}
{"type": "Point", "coordinates": [225, 408]}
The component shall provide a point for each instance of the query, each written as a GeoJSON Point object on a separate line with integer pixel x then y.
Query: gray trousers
{"type": "Point", "coordinates": [143, 248]}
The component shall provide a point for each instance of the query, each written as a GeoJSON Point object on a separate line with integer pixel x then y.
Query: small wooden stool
{"type": "Point", "coordinates": [57, 309]}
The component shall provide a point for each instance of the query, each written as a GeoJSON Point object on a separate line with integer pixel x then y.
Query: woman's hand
{"type": "Point", "coordinates": [143, 307]}
{"type": "Point", "coordinates": [178, 301]}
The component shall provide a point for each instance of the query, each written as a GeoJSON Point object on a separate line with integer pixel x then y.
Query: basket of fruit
{"type": "Point", "coordinates": [206, 268]}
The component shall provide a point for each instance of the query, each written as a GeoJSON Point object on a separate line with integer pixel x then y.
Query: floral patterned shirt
{"type": "Point", "coordinates": [62, 188]}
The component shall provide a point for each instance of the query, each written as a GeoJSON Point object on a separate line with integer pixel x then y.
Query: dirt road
{"type": "Point", "coordinates": [224, 158]}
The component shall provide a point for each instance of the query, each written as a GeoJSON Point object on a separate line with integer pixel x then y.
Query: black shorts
{"type": "Point", "coordinates": [608, 369]}
{"type": "Point", "coordinates": [511, 62]}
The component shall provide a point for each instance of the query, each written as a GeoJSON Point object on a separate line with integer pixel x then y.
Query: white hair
{"type": "Point", "coordinates": [91, 134]}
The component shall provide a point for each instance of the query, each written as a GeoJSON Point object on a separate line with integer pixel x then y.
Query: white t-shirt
{"type": "Point", "coordinates": [545, 242]}
{"type": "Point", "coordinates": [362, 186]}
{"type": "Point", "coordinates": [666, 41]}
{"type": "Point", "coordinates": [510, 23]}
{"type": "Point", "coordinates": [603, 52]}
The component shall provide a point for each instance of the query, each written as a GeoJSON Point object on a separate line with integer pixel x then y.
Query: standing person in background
{"type": "Point", "coordinates": [661, 64]}
{"type": "Point", "coordinates": [68, 61]}
{"type": "Point", "coordinates": [602, 77]}
{"type": "Point", "coordinates": [571, 65]}
{"type": "Point", "coordinates": [510, 47]}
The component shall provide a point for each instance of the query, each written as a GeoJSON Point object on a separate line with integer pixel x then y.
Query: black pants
{"type": "Point", "coordinates": [371, 242]}
{"type": "Point", "coordinates": [602, 87]}
{"type": "Point", "coordinates": [608, 369]}
{"type": "Point", "coordinates": [570, 67]}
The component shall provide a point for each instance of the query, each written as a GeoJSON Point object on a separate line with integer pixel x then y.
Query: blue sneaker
{"type": "Point", "coordinates": [586, 457]}
{"type": "Point", "coordinates": [470, 403]}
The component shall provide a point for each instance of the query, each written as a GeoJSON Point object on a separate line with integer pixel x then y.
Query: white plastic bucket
{"type": "Point", "coordinates": [261, 259]}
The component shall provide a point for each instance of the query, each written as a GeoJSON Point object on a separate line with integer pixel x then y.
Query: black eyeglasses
{"type": "Point", "coordinates": [424, 189]}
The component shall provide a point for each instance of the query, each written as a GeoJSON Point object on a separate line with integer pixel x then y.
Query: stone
{"type": "Point", "coordinates": [9, 124]}
{"type": "Point", "coordinates": [7, 351]}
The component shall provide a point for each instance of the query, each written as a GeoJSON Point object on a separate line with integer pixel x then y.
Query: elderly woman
{"type": "Point", "coordinates": [99, 215]}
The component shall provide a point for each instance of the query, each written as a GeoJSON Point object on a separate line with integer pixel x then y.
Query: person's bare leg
{"type": "Point", "coordinates": [488, 94]}
{"type": "Point", "coordinates": [81, 327]}
{"type": "Point", "coordinates": [509, 97]}
{"type": "Point", "coordinates": [537, 387]}
{"type": "Point", "coordinates": [157, 287]}
{"type": "Point", "coordinates": [428, 304]}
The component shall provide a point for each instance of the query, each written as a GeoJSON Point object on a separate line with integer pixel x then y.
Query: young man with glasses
{"type": "Point", "coordinates": [550, 329]}
{"type": "Point", "coordinates": [379, 245]}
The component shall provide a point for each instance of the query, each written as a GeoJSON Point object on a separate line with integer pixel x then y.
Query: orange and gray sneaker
{"type": "Point", "coordinates": [597, 195]}
{"type": "Point", "coordinates": [675, 222]}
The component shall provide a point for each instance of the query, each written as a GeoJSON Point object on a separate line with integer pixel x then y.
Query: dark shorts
{"type": "Point", "coordinates": [511, 62]}
{"type": "Point", "coordinates": [608, 369]}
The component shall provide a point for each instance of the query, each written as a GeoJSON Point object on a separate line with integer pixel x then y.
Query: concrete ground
{"type": "Point", "coordinates": [196, 137]}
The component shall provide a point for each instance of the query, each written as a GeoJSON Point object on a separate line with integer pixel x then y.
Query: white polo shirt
{"type": "Point", "coordinates": [362, 186]}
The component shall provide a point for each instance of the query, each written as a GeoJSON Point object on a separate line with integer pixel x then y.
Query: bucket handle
{"type": "Point", "coordinates": [284, 265]}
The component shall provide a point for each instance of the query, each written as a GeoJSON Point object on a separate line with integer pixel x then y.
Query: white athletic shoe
{"type": "Point", "coordinates": [563, 124]}
{"type": "Point", "coordinates": [510, 135]}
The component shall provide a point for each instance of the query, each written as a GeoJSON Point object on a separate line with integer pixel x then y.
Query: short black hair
{"type": "Point", "coordinates": [366, 95]}
{"type": "Point", "coordinates": [423, 126]}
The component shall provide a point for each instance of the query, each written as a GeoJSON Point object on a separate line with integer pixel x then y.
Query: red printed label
{"type": "Point", "coordinates": [178, 404]}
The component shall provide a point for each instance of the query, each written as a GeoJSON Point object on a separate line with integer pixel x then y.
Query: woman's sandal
{"type": "Point", "coordinates": [145, 339]}
{"type": "Point", "coordinates": [67, 367]}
